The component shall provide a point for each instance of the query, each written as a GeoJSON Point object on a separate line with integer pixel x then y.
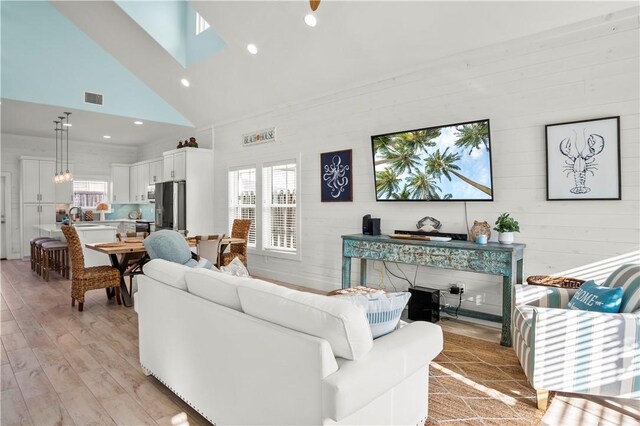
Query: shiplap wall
{"type": "Point", "coordinates": [90, 160]}
{"type": "Point", "coordinates": [582, 71]}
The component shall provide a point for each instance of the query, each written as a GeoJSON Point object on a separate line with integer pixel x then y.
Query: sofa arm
{"type": "Point", "coordinates": [394, 358]}
{"type": "Point", "coordinates": [543, 296]}
{"type": "Point", "coordinates": [586, 352]}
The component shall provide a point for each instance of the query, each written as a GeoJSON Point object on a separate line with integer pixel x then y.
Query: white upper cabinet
{"type": "Point", "coordinates": [119, 183]}
{"type": "Point", "coordinates": [143, 180]}
{"type": "Point", "coordinates": [37, 181]}
{"type": "Point", "coordinates": [155, 172]}
{"type": "Point", "coordinates": [175, 165]}
{"type": "Point", "coordinates": [134, 196]}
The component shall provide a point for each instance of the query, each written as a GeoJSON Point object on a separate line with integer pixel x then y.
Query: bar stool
{"type": "Point", "coordinates": [38, 253]}
{"type": "Point", "coordinates": [32, 244]}
{"type": "Point", "coordinates": [56, 258]}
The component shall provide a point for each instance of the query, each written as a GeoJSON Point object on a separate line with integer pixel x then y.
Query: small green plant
{"type": "Point", "coordinates": [506, 223]}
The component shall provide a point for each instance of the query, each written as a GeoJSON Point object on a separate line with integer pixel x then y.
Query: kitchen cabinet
{"type": "Point", "coordinates": [120, 183]}
{"type": "Point", "coordinates": [175, 165]}
{"type": "Point", "coordinates": [134, 196]}
{"type": "Point", "coordinates": [155, 172]}
{"type": "Point", "coordinates": [37, 180]}
{"type": "Point", "coordinates": [143, 180]}
{"type": "Point", "coordinates": [33, 216]}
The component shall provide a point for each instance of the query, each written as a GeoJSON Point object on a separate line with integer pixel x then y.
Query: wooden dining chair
{"type": "Point", "coordinates": [208, 246]}
{"type": "Point", "coordinates": [240, 229]}
{"type": "Point", "coordinates": [91, 278]}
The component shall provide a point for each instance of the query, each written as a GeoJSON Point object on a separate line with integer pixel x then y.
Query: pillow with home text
{"type": "Point", "coordinates": [592, 297]}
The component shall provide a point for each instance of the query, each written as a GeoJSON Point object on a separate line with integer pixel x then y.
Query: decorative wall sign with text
{"type": "Point", "coordinates": [335, 176]}
{"type": "Point", "coordinates": [258, 137]}
{"type": "Point", "coordinates": [583, 160]}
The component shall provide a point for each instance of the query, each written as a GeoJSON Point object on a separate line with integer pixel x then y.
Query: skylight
{"type": "Point", "coordinates": [201, 24]}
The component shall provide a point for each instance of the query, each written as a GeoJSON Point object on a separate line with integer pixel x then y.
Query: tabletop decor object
{"type": "Point", "coordinates": [480, 229]}
{"type": "Point", "coordinates": [336, 176]}
{"type": "Point", "coordinates": [506, 226]}
{"type": "Point", "coordinates": [583, 160]}
{"type": "Point", "coordinates": [102, 207]}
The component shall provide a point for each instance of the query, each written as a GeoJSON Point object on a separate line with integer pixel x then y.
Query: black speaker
{"type": "Point", "coordinates": [424, 304]}
{"type": "Point", "coordinates": [370, 226]}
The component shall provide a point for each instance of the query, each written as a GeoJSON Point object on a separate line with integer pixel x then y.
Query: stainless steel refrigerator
{"type": "Point", "coordinates": [171, 205]}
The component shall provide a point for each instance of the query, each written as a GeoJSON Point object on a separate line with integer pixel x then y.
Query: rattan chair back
{"type": "Point", "coordinates": [240, 229]}
{"type": "Point", "coordinates": [75, 250]}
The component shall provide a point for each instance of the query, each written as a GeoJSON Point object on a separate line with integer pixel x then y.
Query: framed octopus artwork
{"type": "Point", "coordinates": [583, 160]}
{"type": "Point", "coordinates": [335, 176]}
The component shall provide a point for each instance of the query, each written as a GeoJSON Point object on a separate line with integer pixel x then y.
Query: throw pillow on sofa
{"type": "Point", "coordinates": [235, 268]}
{"type": "Point", "coordinates": [383, 309]}
{"type": "Point", "coordinates": [592, 297]}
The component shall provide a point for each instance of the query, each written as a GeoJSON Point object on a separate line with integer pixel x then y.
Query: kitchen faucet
{"type": "Point", "coordinates": [71, 216]}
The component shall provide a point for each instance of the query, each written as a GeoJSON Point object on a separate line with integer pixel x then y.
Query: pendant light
{"type": "Point", "coordinates": [56, 178]}
{"type": "Point", "coordinates": [68, 176]}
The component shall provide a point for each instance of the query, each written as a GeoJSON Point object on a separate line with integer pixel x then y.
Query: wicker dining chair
{"type": "Point", "coordinates": [91, 278]}
{"type": "Point", "coordinates": [240, 229]}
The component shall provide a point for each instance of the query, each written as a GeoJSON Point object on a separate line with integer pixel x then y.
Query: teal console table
{"type": "Point", "coordinates": [493, 258]}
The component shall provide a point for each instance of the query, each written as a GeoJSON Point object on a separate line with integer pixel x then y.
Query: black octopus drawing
{"type": "Point", "coordinates": [581, 158]}
{"type": "Point", "coordinates": [335, 177]}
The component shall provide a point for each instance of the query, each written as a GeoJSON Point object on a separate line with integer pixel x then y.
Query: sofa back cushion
{"type": "Point", "coordinates": [166, 272]}
{"type": "Point", "coordinates": [627, 277]}
{"type": "Point", "coordinates": [339, 322]}
{"type": "Point", "coordinates": [222, 288]}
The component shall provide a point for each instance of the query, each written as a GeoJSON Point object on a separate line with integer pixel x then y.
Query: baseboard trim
{"type": "Point", "coordinates": [472, 314]}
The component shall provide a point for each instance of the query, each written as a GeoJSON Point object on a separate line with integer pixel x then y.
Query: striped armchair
{"type": "Point", "coordinates": [579, 351]}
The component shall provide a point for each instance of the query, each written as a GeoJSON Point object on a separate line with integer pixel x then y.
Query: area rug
{"type": "Point", "coordinates": [476, 382]}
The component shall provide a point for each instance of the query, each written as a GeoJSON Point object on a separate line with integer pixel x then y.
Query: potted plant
{"type": "Point", "coordinates": [506, 226]}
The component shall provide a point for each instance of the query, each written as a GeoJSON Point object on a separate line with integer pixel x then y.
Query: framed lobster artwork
{"type": "Point", "coordinates": [583, 160]}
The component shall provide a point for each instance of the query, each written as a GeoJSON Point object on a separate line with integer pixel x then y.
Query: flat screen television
{"type": "Point", "coordinates": [443, 163]}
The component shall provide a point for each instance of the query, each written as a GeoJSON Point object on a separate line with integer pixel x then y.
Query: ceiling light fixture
{"type": "Point", "coordinates": [139, 123]}
{"type": "Point", "coordinates": [62, 176]}
{"type": "Point", "coordinates": [252, 48]}
{"type": "Point", "coordinates": [310, 20]}
{"type": "Point", "coordinates": [107, 137]}
{"type": "Point", "coordinates": [185, 82]}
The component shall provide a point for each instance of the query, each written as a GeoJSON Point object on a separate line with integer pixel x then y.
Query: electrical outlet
{"type": "Point", "coordinates": [456, 288]}
{"type": "Point", "coordinates": [462, 288]}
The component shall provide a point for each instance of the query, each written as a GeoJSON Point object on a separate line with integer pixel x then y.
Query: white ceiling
{"type": "Point", "coordinates": [353, 43]}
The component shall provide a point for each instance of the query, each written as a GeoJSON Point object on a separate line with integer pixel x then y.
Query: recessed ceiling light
{"type": "Point", "coordinates": [68, 124]}
{"type": "Point", "coordinates": [310, 20]}
{"type": "Point", "coordinates": [252, 48]}
{"type": "Point", "coordinates": [107, 137]}
{"type": "Point", "coordinates": [138, 122]}
{"type": "Point", "coordinates": [185, 82]}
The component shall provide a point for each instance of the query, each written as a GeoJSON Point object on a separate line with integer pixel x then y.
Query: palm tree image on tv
{"type": "Point", "coordinates": [450, 162]}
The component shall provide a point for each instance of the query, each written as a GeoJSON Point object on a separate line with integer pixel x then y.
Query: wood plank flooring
{"type": "Point", "coordinates": [60, 366]}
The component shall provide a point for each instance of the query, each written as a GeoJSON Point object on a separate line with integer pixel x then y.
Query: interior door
{"type": "Point", "coordinates": [3, 225]}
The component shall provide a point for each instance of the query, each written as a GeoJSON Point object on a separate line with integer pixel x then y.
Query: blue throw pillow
{"type": "Point", "coordinates": [592, 297]}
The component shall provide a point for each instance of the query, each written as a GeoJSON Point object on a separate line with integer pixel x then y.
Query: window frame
{"type": "Point", "coordinates": [104, 179]}
{"type": "Point", "coordinates": [256, 206]}
{"type": "Point", "coordinates": [259, 166]}
{"type": "Point", "coordinates": [201, 24]}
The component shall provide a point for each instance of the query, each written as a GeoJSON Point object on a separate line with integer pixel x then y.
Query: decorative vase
{"type": "Point", "coordinates": [505, 237]}
{"type": "Point", "coordinates": [102, 217]}
{"type": "Point", "coordinates": [479, 228]}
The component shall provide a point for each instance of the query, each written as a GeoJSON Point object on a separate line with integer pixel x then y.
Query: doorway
{"type": "Point", "coordinates": [5, 215]}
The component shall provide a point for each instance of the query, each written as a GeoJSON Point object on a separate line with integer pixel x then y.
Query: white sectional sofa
{"type": "Point", "coordinates": [244, 351]}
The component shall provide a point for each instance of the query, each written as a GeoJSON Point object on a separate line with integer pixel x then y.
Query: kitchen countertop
{"type": "Point", "coordinates": [55, 227]}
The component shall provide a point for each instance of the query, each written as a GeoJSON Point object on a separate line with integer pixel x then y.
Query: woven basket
{"type": "Point", "coordinates": [563, 282]}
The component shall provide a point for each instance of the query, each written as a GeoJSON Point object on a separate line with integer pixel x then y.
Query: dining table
{"type": "Point", "coordinates": [121, 252]}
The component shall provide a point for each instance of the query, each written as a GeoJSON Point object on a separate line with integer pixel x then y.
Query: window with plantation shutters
{"type": "Point", "coordinates": [279, 221]}
{"type": "Point", "coordinates": [89, 193]}
{"type": "Point", "coordinates": [242, 199]}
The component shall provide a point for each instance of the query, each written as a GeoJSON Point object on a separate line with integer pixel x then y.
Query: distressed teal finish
{"type": "Point", "coordinates": [493, 259]}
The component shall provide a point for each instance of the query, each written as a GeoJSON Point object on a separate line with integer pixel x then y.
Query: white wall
{"type": "Point", "coordinates": [154, 149]}
{"type": "Point", "coordinates": [586, 70]}
{"type": "Point", "coordinates": [90, 160]}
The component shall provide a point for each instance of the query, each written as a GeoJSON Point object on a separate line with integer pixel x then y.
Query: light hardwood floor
{"type": "Point", "coordinates": [59, 366]}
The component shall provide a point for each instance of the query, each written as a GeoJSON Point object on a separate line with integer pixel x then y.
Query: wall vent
{"type": "Point", "coordinates": [92, 98]}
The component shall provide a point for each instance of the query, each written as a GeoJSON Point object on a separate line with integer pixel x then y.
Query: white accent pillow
{"type": "Point", "coordinates": [235, 268]}
{"type": "Point", "coordinates": [339, 322]}
{"type": "Point", "coordinates": [166, 272]}
{"type": "Point", "coordinates": [383, 309]}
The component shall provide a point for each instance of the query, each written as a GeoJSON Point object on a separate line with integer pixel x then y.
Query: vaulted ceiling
{"type": "Point", "coordinates": [353, 43]}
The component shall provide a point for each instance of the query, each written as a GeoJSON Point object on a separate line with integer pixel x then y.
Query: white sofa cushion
{"type": "Point", "coordinates": [339, 322]}
{"type": "Point", "coordinates": [222, 288]}
{"type": "Point", "coordinates": [166, 272]}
